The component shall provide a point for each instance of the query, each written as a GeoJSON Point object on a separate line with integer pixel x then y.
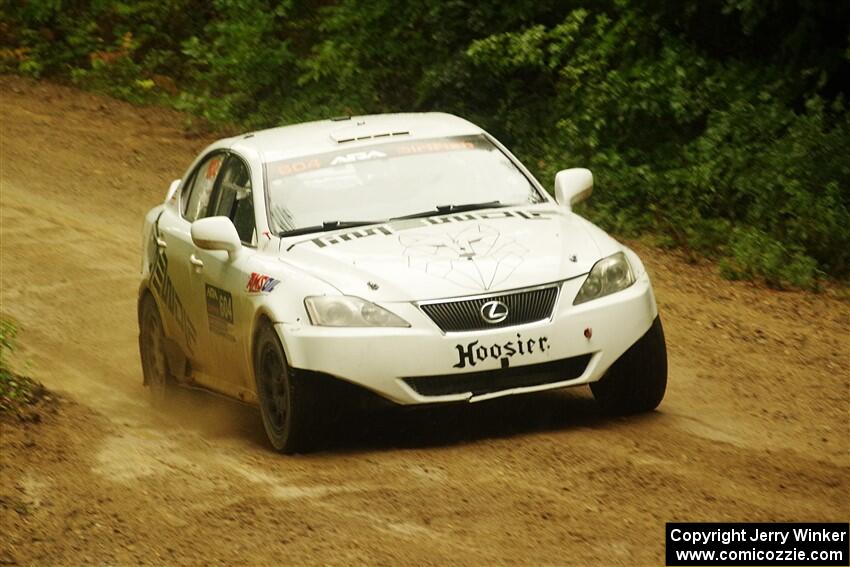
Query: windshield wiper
{"type": "Point", "coordinates": [438, 210]}
{"type": "Point", "coordinates": [448, 209]}
{"type": "Point", "coordinates": [326, 226]}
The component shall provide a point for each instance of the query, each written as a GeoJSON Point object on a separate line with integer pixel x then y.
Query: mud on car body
{"type": "Point", "coordinates": [411, 255]}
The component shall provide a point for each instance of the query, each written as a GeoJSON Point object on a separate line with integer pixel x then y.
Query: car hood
{"type": "Point", "coordinates": [450, 255]}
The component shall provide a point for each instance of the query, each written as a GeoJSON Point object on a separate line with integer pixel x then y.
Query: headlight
{"type": "Point", "coordinates": [347, 311]}
{"type": "Point", "coordinates": [607, 276]}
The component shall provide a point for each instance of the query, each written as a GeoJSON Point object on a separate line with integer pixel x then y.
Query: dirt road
{"type": "Point", "coordinates": [754, 427]}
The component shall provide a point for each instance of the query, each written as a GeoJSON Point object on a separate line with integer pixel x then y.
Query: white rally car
{"type": "Point", "coordinates": [411, 255]}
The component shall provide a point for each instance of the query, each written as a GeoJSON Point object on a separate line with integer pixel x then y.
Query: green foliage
{"type": "Point", "coordinates": [767, 167]}
{"type": "Point", "coordinates": [728, 144]}
{"type": "Point", "coordinates": [116, 73]}
{"type": "Point", "coordinates": [755, 255]}
{"type": "Point", "coordinates": [8, 332]}
{"type": "Point", "coordinates": [679, 143]}
{"type": "Point", "coordinates": [15, 390]}
{"type": "Point", "coordinates": [239, 64]}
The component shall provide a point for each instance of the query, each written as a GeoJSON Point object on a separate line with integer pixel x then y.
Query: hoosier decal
{"type": "Point", "coordinates": [473, 353]}
{"type": "Point", "coordinates": [259, 283]}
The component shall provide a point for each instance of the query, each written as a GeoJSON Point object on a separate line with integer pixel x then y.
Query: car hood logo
{"type": "Point", "coordinates": [479, 256]}
{"type": "Point", "coordinates": [494, 311]}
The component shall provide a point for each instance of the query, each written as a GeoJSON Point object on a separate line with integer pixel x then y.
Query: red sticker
{"type": "Point", "coordinates": [261, 283]}
{"type": "Point", "coordinates": [212, 168]}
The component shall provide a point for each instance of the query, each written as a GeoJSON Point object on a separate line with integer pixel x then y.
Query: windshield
{"type": "Point", "coordinates": [392, 180]}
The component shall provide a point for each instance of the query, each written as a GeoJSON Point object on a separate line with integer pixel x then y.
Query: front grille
{"type": "Point", "coordinates": [465, 315]}
{"type": "Point", "coordinates": [502, 379]}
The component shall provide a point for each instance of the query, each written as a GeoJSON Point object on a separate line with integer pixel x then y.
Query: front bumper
{"type": "Point", "coordinates": [380, 359]}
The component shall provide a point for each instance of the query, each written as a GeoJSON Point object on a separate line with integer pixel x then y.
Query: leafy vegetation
{"type": "Point", "coordinates": [15, 391]}
{"type": "Point", "coordinates": [721, 126]}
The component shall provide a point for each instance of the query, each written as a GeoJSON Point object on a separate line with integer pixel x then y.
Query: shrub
{"type": "Point", "coordinates": [755, 255]}
{"type": "Point", "coordinates": [15, 391]}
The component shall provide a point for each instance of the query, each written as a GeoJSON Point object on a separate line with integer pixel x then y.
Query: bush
{"type": "Point", "coordinates": [16, 391]}
{"type": "Point", "coordinates": [755, 255]}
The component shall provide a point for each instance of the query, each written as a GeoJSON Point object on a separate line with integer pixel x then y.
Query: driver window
{"type": "Point", "coordinates": [234, 199]}
{"type": "Point", "coordinates": [195, 206]}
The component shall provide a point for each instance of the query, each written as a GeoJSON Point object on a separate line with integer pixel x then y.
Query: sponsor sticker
{"type": "Point", "coordinates": [220, 311]}
{"type": "Point", "coordinates": [260, 283]}
{"type": "Point", "coordinates": [474, 352]}
{"type": "Point", "coordinates": [213, 167]}
{"type": "Point", "coordinates": [294, 166]}
{"type": "Point", "coordinates": [357, 156]}
{"type": "Point", "coordinates": [163, 286]}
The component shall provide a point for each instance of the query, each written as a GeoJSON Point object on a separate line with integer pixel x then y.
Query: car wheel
{"type": "Point", "coordinates": [289, 404]}
{"type": "Point", "coordinates": [636, 382]}
{"type": "Point", "coordinates": [157, 376]}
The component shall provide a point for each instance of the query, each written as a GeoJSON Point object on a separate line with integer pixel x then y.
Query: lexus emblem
{"type": "Point", "coordinates": [494, 311]}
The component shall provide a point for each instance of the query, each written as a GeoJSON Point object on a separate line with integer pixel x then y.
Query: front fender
{"type": "Point", "coordinates": [285, 303]}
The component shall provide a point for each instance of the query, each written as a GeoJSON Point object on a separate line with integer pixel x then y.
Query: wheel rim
{"type": "Point", "coordinates": [275, 397]}
{"type": "Point", "coordinates": [156, 369]}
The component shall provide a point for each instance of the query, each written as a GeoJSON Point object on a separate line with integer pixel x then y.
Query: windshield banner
{"type": "Point", "coordinates": [303, 164]}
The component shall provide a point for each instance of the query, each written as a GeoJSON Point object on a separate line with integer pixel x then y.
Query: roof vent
{"type": "Point", "coordinates": [353, 135]}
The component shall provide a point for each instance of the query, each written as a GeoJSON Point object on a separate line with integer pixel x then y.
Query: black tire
{"type": "Point", "coordinates": [290, 405]}
{"type": "Point", "coordinates": [157, 375]}
{"type": "Point", "coordinates": [636, 382]}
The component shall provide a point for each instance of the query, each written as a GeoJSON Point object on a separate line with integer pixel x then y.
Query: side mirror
{"type": "Point", "coordinates": [172, 189]}
{"type": "Point", "coordinates": [216, 233]}
{"type": "Point", "coordinates": [573, 186]}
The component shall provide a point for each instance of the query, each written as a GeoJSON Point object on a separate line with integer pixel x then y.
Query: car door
{"type": "Point", "coordinates": [222, 279]}
{"type": "Point", "coordinates": [173, 275]}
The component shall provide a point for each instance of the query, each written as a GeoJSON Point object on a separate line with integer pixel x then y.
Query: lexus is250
{"type": "Point", "coordinates": [410, 255]}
